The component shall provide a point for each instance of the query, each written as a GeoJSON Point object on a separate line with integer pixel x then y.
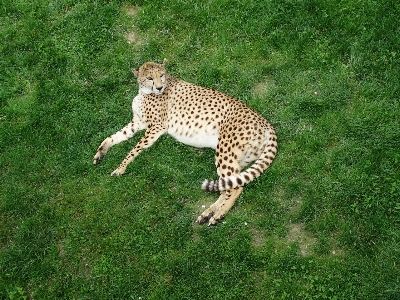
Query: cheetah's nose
{"type": "Point", "coordinates": [159, 88]}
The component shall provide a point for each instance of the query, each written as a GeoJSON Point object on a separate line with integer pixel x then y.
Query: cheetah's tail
{"type": "Point", "coordinates": [251, 173]}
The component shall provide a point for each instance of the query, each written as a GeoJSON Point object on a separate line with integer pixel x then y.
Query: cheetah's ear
{"type": "Point", "coordinates": [135, 72]}
{"type": "Point", "coordinates": [163, 62]}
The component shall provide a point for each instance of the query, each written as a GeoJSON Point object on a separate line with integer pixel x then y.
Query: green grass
{"type": "Point", "coordinates": [321, 223]}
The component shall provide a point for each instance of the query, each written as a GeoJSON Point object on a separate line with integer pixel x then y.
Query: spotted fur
{"type": "Point", "coordinates": [199, 117]}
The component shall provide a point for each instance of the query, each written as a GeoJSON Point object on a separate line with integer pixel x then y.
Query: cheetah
{"type": "Point", "coordinates": [198, 117]}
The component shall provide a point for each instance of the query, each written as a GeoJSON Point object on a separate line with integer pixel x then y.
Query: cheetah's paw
{"type": "Point", "coordinates": [210, 216]}
{"type": "Point", "coordinates": [97, 158]}
{"type": "Point", "coordinates": [203, 218]}
{"type": "Point", "coordinates": [118, 172]}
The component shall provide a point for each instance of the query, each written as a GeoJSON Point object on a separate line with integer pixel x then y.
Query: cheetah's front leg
{"type": "Point", "coordinates": [151, 135]}
{"type": "Point", "coordinates": [125, 133]}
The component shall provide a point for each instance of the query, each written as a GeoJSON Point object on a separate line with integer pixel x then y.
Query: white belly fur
{"type": "Point", "coordinates": [206, 138]}
{"type": "Point", "coordinates": [199, 139]}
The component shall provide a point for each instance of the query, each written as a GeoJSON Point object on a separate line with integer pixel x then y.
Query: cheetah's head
{"type": "Point", "coordinates": [151, 78]}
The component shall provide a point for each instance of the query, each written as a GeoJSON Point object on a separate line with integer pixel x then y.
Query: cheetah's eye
{"type": "Point", "coordinates": [162, 75]}
{"type": "Point", "coordinates": [149, 78]}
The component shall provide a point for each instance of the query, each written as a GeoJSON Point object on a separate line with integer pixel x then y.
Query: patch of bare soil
{"type": "Point", "coordinates": [132, 36]}
{"type": "Point", "coordinates": [264, 87]}
{"type": "Point", "coordinates": [297, 234]}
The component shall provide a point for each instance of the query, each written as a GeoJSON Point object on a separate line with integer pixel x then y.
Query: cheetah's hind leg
{"type": "Point", "coordinates": [217, 211]}
{"type": "Point", "coordinates": [222, 209]}
{"type": "Point", "coordinates": [209, 212]}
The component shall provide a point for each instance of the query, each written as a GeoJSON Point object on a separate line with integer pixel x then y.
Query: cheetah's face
{"type": "Point", "coordinates": [151, 78]}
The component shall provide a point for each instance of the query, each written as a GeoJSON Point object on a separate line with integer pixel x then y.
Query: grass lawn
{"type": "Point", "coordinates": [321, 223]}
